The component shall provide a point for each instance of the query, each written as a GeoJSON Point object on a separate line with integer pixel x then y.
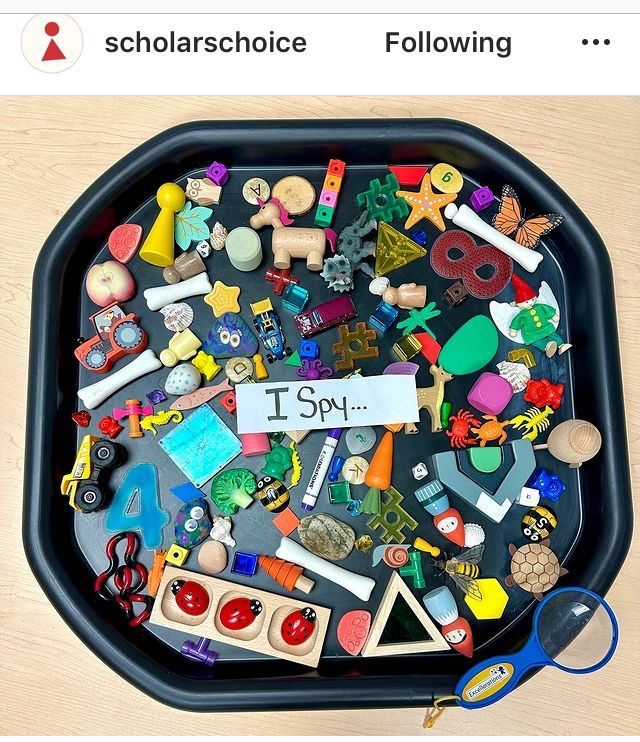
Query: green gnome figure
{"type": "Point", "coordinates": [536, 321]}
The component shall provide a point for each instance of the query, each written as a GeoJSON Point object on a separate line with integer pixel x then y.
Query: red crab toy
{"type": "Point", "coordinates": [541, 392]}
{"type": "Point", "coordinates": [459, 433]}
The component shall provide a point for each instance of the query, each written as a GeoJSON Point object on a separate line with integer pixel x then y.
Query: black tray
{"type": "Point", "coordinates": [65, 550]}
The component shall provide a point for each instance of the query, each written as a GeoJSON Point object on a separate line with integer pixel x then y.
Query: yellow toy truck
{"type": "Point", "coordinates": [85, 486]}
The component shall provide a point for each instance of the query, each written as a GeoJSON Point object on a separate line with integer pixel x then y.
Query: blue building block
{"type": "Point", "coordinates": [383, 317]}
{"type": "Point", "coordinates": [295, 298]}
{"type": "Point", "coordinates": [549, 485]}
{"type": "Point", "coordinates": [309, 350]}
{"type": "Point", "coordinates": [419, 236]}
{"type": "Point", "coordinates": [244, 563]}
{"type": "Point", "coordinates": [187, 492]}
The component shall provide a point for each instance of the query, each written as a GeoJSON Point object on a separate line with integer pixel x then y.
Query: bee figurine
{"type": "Point", "coordinates": [463, 569]}
{"type": "Point", "coordinates": [539, 523]}
{"type": "Point", "coordinates": [203, 191]}
{"type": "Point", "coordinates": [272, 494]}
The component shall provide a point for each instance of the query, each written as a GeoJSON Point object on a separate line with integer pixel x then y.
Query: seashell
{"type": "Point", "coordinates": [221, 530]}
{"type": "Point", "coordinates": [218, 236]}
{"type": "Point", "coordinates": [379, 285]}
{"type": "Point", "coordinates": [517, 374]}
{"type": "Point", "coordinates": [177, 317]}
{"type": "Point", "coordinates": [473, 535]}
{"type": "Point", "coordinates": [395, 555]}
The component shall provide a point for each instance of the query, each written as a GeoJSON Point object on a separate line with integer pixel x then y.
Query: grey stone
{"type": "Point", "coordinates": [326, 537]}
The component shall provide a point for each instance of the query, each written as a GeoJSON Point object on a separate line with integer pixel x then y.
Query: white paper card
{"type": "Point", "coordinates": [328, 403]}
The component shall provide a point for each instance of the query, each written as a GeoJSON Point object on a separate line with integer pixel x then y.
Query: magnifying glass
{"type": "Point", "coordinates": [574, 630]}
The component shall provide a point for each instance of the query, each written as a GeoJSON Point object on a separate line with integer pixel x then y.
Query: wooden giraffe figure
{"type": "Point", "coordinates": [431, 398]}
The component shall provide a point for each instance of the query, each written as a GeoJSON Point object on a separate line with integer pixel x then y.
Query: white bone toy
{"type": "Point", "coordinates": [466, 218]}
{"type": "Point", "coordinates": [160, 296]}
{"type": "Point", "coordinates": [359, 585]}
{"type": "Point", "coordinates": [94, 394]}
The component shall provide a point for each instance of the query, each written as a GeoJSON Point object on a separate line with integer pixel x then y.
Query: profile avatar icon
{"type": "Point", "coordinates": [51, 42]}
{"type": "Point", "coordinates": [52, 51]}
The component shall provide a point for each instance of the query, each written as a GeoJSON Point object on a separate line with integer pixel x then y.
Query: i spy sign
{"type": "Point", "coordinates": [328, 403]}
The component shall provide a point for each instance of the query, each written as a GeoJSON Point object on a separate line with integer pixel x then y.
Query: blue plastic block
{"type": "Point", "coordinates": [244, 563]}
{"type": "Point", "coordinates": [419, 236]}
{"type": "Point", "coordinates": [295, 298]}
{"type": "Point", "coordinates": [383, 317]}
{"type": "Point", "coordinates": [187, 492]}
{"type": "Point", "coordinates": [309, 349]}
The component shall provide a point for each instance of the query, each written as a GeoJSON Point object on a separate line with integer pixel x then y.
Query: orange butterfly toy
{"type": "Point", "coordinates": [510, 219]}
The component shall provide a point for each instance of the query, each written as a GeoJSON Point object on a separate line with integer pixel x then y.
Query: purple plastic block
{"type": "Point", "coordinates": [490, 394]}
{"type": "Point", "coordinates": [481, 198]}
{"type": "Point", "coordinates": [328, 198]}
{"type": "Point", "coordinates": [155, 396]}
{"type": "Point", "coordinates": [200, 651]}
{"type": "Point", "coordinates": [218, 173]}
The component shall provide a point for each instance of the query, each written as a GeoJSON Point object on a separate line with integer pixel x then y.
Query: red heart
{"type": "Point", "coordinates": [124, 241]}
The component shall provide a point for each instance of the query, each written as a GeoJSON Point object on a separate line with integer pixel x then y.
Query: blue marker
{"type": "Point", "coordinates": [320, 469]}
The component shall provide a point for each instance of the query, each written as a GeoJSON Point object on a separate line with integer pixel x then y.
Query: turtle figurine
{"type": "Point", "coordinates": [534, 567]}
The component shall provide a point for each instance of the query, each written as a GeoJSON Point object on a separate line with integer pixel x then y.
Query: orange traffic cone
{"type": "Point", "coordinates": [379, 472]}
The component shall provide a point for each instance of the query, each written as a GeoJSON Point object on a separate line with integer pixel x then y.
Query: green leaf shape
{"type": "Point", "coordinates": [191, 224]}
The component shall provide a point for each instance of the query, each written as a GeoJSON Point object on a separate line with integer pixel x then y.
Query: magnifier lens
{"type": "Point", "coordinates": [575, 630]}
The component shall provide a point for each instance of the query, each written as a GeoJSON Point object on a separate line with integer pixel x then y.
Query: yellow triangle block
{"type": "Point", "coordinates": [381, 640]}
{"type": "Point", "coordinates": [394, 250]}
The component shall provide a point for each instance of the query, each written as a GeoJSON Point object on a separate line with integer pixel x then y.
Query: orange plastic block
{"type": "Point", "coordinates": [286, 521]}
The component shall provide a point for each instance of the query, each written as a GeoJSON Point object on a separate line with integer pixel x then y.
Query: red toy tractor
{"type": "Point", "coordinates": [117, 333]}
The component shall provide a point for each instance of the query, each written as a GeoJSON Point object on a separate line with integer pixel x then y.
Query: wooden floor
{"type": "Point", "coordinates": [51, 149]}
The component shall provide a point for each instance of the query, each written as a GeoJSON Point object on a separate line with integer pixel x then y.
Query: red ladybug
{"type": "Point", "coordinates": [191, 597]}
{"type": "Point", "coordinates": [298, 626]}
{"type": "Point", "coordinates": [239, 613]}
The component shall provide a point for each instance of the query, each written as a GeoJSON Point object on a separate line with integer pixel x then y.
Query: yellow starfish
{"type": "Point", "coordinates": [223, 298]}
{"type": "Point", "coordinates": [426, 204]}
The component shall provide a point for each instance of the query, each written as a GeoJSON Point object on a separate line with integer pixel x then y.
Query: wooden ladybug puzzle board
{"type": "Point", "coordinates": [261, 636]}
{"type": "Point", "coordinates": [76, 541]}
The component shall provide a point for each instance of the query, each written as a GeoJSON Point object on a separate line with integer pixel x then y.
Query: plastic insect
{"type": "Point", "coordinates": [463, 569]}
{"type": "Point", "coordinates": [191, 596]}
{"type": "Point", "coordinates": [460, 428]}
{"type": "Point", "coordinates": [539, 523]}
{"type": "Point", "coordinates": [162, 417]}
{"type": "Point", "coordinates": [510, 218]}
{"type": "Point", "coordinates": [298, 626]}
{"type": "Point", "coordinates": [532, 422]}
{"type": "Point", "coordinates": [419, 318]}
{"type": "Point", "coordinates": [272, 494]}
{"type": "Point", "coordinates": [239, 613]}
{"type": "Point", "coordinates": [492, 430]}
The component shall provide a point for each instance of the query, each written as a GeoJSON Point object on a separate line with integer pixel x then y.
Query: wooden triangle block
{"type": "Point", "coordinates": [394, 250]}
{"type": "Point", "coordinates": [399, 606]}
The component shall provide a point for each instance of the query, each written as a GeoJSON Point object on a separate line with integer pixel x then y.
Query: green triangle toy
{"type": "Point", "coordinates": [394, 250]}
{"type": "Point", "coordinates": [293, 359]}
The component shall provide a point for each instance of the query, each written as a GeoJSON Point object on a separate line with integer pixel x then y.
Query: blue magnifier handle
{"type": "Point", "coordinates": [491, 680]}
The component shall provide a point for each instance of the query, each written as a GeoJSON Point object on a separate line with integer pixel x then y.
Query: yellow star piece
{"type": "Point", "coordinates": [426, 204]}
{"type": "Point", "coordinates": [223, 299]}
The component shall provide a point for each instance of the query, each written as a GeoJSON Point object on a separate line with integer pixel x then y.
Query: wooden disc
{"type": "Point", "coordinates": [296, 194]}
